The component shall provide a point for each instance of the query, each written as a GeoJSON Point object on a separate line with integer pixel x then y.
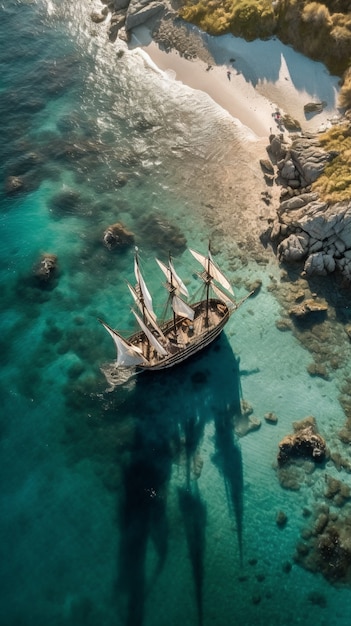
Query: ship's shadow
{"type": "Point", "coordinates": [171, 410]}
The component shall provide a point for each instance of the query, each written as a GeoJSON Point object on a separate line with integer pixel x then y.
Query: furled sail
{"type": "Point", "coordinates": [143, 288]}
{"type": "Point", "coordinates": [172, 277]}
{"type": "Point", "coordinates": [154, 342]}
{"type": "Point", "coordinates": [181, 308]}
{"type": "Point", "coordinates": [127, 354]}
{"type": "Point", "coordinates": [210, 267]}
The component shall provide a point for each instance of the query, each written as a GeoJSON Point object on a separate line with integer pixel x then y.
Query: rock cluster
{"type": "Point", "coordinates": [326, 546]}
{"type": "Point", "coordinates": [308, 230]}
{"type": "Point", "coordinates": [305, 443]}
{"type": "Point", "coordinates": [128, 14]}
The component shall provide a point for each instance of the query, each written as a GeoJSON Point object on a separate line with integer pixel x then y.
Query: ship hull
{"type": "Point", "coordinates": [185, 338]}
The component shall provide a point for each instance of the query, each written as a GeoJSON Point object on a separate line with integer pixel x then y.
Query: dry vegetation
{"type": "Point", "coordinates": [334, 185]}
{"type": "Point", "coordinates": [321, 31]}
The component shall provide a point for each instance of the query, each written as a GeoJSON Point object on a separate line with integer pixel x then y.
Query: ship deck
{"type": "Point", "coordinates": [185, 337]}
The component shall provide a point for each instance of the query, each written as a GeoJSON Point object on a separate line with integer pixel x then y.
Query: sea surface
{"type": "Point", "coordinates": [140, 505]}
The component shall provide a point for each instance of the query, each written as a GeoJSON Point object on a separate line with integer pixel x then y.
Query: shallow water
{"type": "Point", "coordinates": [140, 506]}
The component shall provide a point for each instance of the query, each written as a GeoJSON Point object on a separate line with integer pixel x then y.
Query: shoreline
{"type": "Point", "coordinates": [252, 81]}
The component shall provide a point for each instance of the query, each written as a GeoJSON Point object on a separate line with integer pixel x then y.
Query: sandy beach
{"type": "Point", "coordinates": [251, 80]}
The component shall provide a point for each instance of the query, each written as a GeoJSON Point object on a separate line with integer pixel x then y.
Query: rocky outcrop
{"type": "Point", "coordinates": [314, 107]}
{"type": "Point", "coordinates": [308, 230]}
{"type": "Point", "coordinates": [46, 268]}
{"type": "Point", "coordinates": [128, 14]}
{"type": "Point", "coordinates": [117, 236]}
{"type": "Point", "coordinates": [326, 545]}
{"type": "Point", "coordinates": [308, 307]}
{"type": "Point", "coordinates": [14, 184]}
{"type": "Point", "coordinates": [139, 11]}
{"type": "Point", "coordinates": [305, 443]}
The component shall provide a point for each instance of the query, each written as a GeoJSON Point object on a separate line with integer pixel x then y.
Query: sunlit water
{"type": "Point", "coordinates": [139, 506]}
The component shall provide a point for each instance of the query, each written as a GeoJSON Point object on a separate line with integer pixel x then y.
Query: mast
{"type": "Point", "coordinates": [172, 293]}
{"type": "Point", "coordinates": [143, 292]}
{"type": "Point", "coordinates": [208, 281]}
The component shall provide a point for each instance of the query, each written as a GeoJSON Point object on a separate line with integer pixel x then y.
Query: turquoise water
{"type": "Point", "coordinates": [140, 506]}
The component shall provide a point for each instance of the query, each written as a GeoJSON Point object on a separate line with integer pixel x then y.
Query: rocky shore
{"type": "Point", "coordinates": [308, 230]}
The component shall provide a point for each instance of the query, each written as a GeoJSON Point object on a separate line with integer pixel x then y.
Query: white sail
{"type": "Point", "coordinates": [212, 269]}
{"type": "Point", "coordinates": [173, 278]}
{"type": "Point", "coordinates": [127, 354]}
{"type": "Point", "coordinates": [154, 342]}
{"type": "Point", "coordinates": [145, 312]}
{"type": "Point", "coordinates": [223, 297]}
{"type": "Point", "coordinates": [143, 288]}
{"type": "Point", "coordinates": [181, 308]}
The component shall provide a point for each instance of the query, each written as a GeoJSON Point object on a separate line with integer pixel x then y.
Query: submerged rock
{"type": "Point", "coordinates": [162, 234]}
{"type": "Point", "coordinates": [117, 236]}
{"type": "Point", "coordinates": [307, 307]}
{"type": "Point", "coordinates": [328, 550]}
{"type": "Point", "coordinates": [314, 107]}
{"type": "Point", "coordinates": [14, 184]}
{"type": "Point", "coordinates": [281, 519]}
{"type": "Point", "coordinates": [304, 443]}
{"type": "Point", "coordinates": [46, 267]}
{"type": "Point", "coordinates": [271, 418]}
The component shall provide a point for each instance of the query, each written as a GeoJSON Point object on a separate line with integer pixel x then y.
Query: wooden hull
{"type": "Point", "coordinates": [185, 338]}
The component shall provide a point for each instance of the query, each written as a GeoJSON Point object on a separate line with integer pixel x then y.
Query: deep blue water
{"type": "Point", "coordinates": [138, 506]}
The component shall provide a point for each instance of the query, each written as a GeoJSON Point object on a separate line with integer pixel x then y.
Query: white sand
{"type": "Point", "coordinates": [264, 76]}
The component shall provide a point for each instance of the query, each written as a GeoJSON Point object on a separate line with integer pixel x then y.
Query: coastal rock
{"type": "Point", "coordinates": [314, 107]}
{"type": "Point", "coordinates": [267, 166]}
{"type": "Point", "coordinates": [139, 11]}
{"type": "Point", "coordinates": [46, 267]}
{"type": "Point", "coordinates": [271, 418]}
{"type": "Point", "coordinates": [305, 443]}
{"type": "Point", "coordinates": [97, 18]}
{"type": "Point", "coordinates": [307, 307]}
{"type": "Point", "coordinates": [277, 147]}
{"type": "Point", "coordinates": [117, 236]}
{"type": "Point", "coordinates": [291, 124]}
{"type": "Point", "coordinates": [288, 170]}
{"type": "Point", "coordinates": [293, 248]}
{"type": "Point", "coordinates": [120, 4]}
{"type": "Point", "coordinates": [14, 184]}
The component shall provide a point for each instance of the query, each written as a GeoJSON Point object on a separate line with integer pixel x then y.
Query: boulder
{"type": "Point", "coordinates": [14, 184]}
{"type": "Point", "coordinates": [291, 124]}
{"type": "Point", "coordinates": [97, 18]}
{"type": "Point", "coordinates": [294, 248]}
{"type": "Point", "coordinates": [117, 236]}
{"type": "Point", "coordinates": [307, 307]}
{"type": "Point", "coordinates": [267, 166]}
{"type": "Point", "coordinates": [46, 267]}
{"type": "Point", "coordinates": [139, 11]}
{"type": "Point", "coordinates": [288, 170]}
{"type": "Point", "coordinates": [121, 4]}
{"type": "Point", "coordinates": [305, 443]}
{"type": "Point", "coordinates": [314, 107]}
{"type": "Point", "coordinates": [277, 147]}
